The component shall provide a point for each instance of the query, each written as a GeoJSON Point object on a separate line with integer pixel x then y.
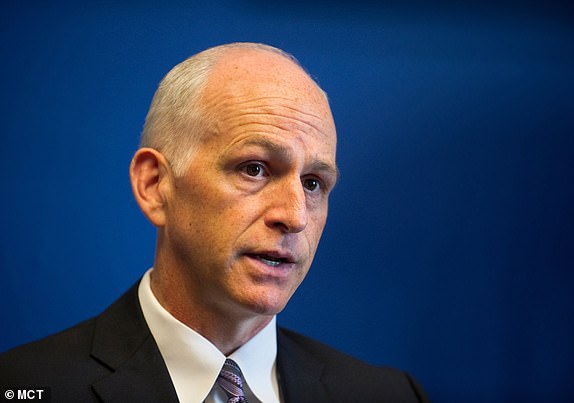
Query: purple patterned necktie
{"type": "Point", "coordinates": [231, 381]}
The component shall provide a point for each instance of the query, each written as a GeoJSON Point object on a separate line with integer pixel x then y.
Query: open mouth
{"type": "Point", "coordinates": [270, 260]}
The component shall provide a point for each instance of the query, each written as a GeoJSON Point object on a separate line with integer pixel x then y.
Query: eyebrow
{"type": "Point", "coordinates": [285, 153]}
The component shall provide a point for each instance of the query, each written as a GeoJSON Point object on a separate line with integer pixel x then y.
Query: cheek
{"type": "Point", "coordinates": [225, 222]}
{"type": "Point", "coordinates": [202, 202]}
{"type": "Point", "coordinates": [318, 220]}
{"type": "Point", "coordinates": [194, 214]}
{"type": "Point", "coordinates": [315, 230]}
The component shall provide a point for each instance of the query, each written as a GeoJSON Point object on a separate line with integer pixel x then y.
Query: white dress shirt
{"type": "Point", "coordinates": [194, 362]}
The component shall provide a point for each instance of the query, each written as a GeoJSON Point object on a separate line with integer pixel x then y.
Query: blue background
{"type": "Point", "coordinates": [449, 250]}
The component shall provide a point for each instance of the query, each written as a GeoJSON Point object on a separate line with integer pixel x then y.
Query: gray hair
{"type": "Point", "coordinates": [177, 119]}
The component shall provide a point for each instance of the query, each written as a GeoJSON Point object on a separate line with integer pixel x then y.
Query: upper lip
{"type": "Point", "coordinates": [284, 256]}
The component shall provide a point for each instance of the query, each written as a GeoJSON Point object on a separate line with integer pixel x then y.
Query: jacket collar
{"type": "Point", "coordinates": [299, 372]}
{"type": "Point", "coordinates": [123, 343]}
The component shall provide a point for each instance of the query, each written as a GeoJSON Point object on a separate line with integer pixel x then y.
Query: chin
{"type": "Point", "coordinates": [266, 302]}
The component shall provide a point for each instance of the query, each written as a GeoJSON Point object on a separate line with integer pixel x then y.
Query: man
{"type": "Point", "coordinates": [235, 168]}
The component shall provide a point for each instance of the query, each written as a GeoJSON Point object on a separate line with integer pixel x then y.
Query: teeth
{"type": "Point", "coordinates": [270, 262]}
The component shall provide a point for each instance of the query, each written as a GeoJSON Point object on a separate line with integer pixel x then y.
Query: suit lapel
{"type": "Point", "coordinates": [299, 372]}
{"type": "Point", "coordinates": [124, 344]}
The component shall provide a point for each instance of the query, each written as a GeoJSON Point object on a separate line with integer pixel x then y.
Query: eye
{"type": "Point", "coordinates": [254, 169]}
{"type": "Point", "coordinates": [311, 184]}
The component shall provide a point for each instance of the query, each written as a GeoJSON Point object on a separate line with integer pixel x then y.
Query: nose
{"type": "Point", "coordinates": [288, 208]}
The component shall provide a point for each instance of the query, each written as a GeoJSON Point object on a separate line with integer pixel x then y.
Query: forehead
{"type": "Point", "coordinates": [243, 75]}
{"type": "Point", "coordinates": [257, 93]}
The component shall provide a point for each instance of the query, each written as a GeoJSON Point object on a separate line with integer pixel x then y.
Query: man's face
{"type": "Point", "coordinates": [245, 219]}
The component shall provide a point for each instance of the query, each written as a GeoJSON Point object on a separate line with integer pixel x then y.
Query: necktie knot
{"type": "Point", "coordinates": [231, 381]}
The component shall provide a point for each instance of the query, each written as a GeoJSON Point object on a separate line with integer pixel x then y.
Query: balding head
{"type": "Point", "coordinates": [180, 116]}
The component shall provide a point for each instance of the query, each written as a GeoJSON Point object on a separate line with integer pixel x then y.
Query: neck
{"type": "Point", "coordinates": [227, 329]}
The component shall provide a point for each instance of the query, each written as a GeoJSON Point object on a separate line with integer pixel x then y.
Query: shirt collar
{"type": "Point", "coordinates": [194, 362]}
{"type": "Point", "coordinates": [256, 358]}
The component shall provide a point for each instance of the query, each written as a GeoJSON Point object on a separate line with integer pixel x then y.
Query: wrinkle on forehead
{"type": "Point", "coordinates": [273, 99]}
{"type": "Point", "coordinates": [282, 113]}
{"type": "Point", "coordinates": [280, 116]}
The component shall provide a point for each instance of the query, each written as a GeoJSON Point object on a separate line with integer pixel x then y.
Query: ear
{"type": "Point", "coordinates": [150, 178]}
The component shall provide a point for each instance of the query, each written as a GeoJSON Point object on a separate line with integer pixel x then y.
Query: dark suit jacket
{"type": "Point", "coordinates": [114, 358]}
